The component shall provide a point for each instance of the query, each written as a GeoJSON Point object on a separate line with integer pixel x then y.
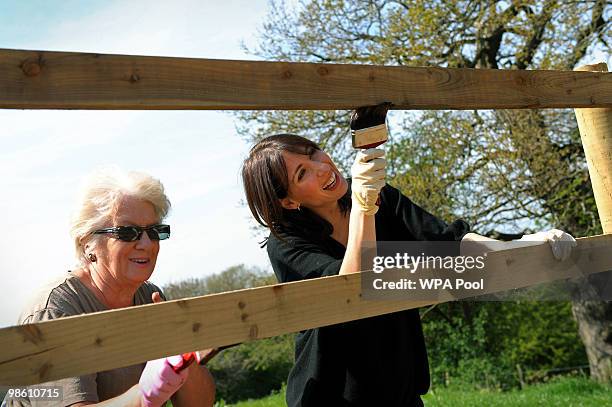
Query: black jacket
{"type": "Point", "coordinates": [378, 361]}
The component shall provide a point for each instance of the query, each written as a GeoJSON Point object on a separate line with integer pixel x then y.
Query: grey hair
{"type": "Point", "coordinates": [100, 197]}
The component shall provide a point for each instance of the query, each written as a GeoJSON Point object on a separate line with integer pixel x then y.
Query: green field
{"type": "Point", "coordinates": [558, 392]}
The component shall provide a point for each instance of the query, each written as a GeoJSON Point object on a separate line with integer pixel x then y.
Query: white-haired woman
{"type": "Point", "coordinates": [116, 233]}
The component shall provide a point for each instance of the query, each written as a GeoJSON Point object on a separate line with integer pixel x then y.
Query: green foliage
{"type": "Point", "coordinates": [483, 344]}
{"type": "Point", "coordinates": [463, 33]}
{"type": "Point", "coordinates": [252, 369]}
{"type": "Point", "coordinates": [233, 278]}
{"type": "Point", "coordinates": [510, 170]}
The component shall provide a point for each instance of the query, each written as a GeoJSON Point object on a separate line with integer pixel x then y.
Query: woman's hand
{"type": "Point", "coordinates": [368, 178]}
{"type": "Point", "coordinates": [560, 242]}
{"type": "Point", "coordinates": [158, 381]}
{"type": "Point", "coordinates": [198, 389]}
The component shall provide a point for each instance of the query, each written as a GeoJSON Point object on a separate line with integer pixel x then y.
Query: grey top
{"type": "Point", "coordinates": [68, 296]}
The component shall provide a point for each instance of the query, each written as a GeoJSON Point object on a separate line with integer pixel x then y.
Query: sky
{"type": "Point", "coordinates": [45, 154]}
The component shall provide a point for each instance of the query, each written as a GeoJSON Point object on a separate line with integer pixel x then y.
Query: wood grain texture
{"type": "Point", "coordinates": [69, 80]}
{"type": "Point", "coordinates": [89, 343]}
{"type": "Point", "coordinates": [595, 126]}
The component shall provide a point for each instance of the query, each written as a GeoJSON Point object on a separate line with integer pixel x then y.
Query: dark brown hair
{"type": "Point", "coordinates": [266, 182]}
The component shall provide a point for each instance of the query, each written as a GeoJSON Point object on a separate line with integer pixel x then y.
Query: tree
{"type": "Point", "coordinates": [233, 278]}
{"type": "Point", "coordinates": [484, 348]}
{"type": "Point", "coordinates": [521, 169]}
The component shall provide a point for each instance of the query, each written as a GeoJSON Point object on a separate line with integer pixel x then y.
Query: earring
{"type": "Point", "coordinates": [298, 208]}
{"type": "Point", "coordinates": [92, 257]}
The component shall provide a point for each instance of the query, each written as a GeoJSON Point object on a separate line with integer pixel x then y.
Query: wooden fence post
{"type": "Point", "coordinates": [595, 126]}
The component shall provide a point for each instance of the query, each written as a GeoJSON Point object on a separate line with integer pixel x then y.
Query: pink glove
{"type": "Point", "coordinates": [158, 381]}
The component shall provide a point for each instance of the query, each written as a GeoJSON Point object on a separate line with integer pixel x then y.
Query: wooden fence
{"type": "Point", "coordinates": [89, 343]}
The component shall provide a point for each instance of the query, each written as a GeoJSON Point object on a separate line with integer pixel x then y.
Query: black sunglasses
{"type": "Point", "coordinates": [133, 233]}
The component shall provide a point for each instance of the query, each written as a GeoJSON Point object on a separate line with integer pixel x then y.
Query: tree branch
{"type": "Point", "coordinates": [596, 26]}
{"type": "Point", "coordinates": [524, 59]}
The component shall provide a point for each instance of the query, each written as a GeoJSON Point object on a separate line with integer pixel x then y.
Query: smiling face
{"type": "Point", "coordinates": [129, 263]}
{"type": "Point", "coordinates": [314, 181]}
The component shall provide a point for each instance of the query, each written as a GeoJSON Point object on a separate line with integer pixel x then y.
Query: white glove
{"type": "Point", "coordinates": [368, 178]}
{"type": "Point", "coordinates": [560, 242]}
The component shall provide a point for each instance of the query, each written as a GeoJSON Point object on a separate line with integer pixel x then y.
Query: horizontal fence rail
{"type": "Point", "coordinates": [73, 80]}
{"type": "Point", "coordinates": [90, 343]}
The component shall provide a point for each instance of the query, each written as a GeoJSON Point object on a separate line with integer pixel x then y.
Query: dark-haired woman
{"type": "Point", "coordinates": [317, 226]}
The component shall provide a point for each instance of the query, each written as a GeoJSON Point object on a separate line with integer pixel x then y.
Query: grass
{"type": "Point", "coordinates": [569, 391]}
{"type": "Point", "coordinates": [563, 391]}
{"type": "Point", "coordinates": [273, 400]}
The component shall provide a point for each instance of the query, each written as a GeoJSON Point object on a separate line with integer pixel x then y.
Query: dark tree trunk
{"type": "Point", "coordinates": [595, 326]}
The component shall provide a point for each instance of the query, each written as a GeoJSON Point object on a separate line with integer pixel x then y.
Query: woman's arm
{"type": "Point", "coordinates": [198, 390]}
{"type": "Point", "coordinates": [560, 242]}
{"type": "Point", "coordinates": [368, 178]}
{"type": "Point", "coordinates": [362, 228]}
{"type": "Point", "coordinates": [131, 398]}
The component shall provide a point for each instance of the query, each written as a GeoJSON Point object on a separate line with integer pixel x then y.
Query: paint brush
{"type": "Point", "coordinates": [368, 125]}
